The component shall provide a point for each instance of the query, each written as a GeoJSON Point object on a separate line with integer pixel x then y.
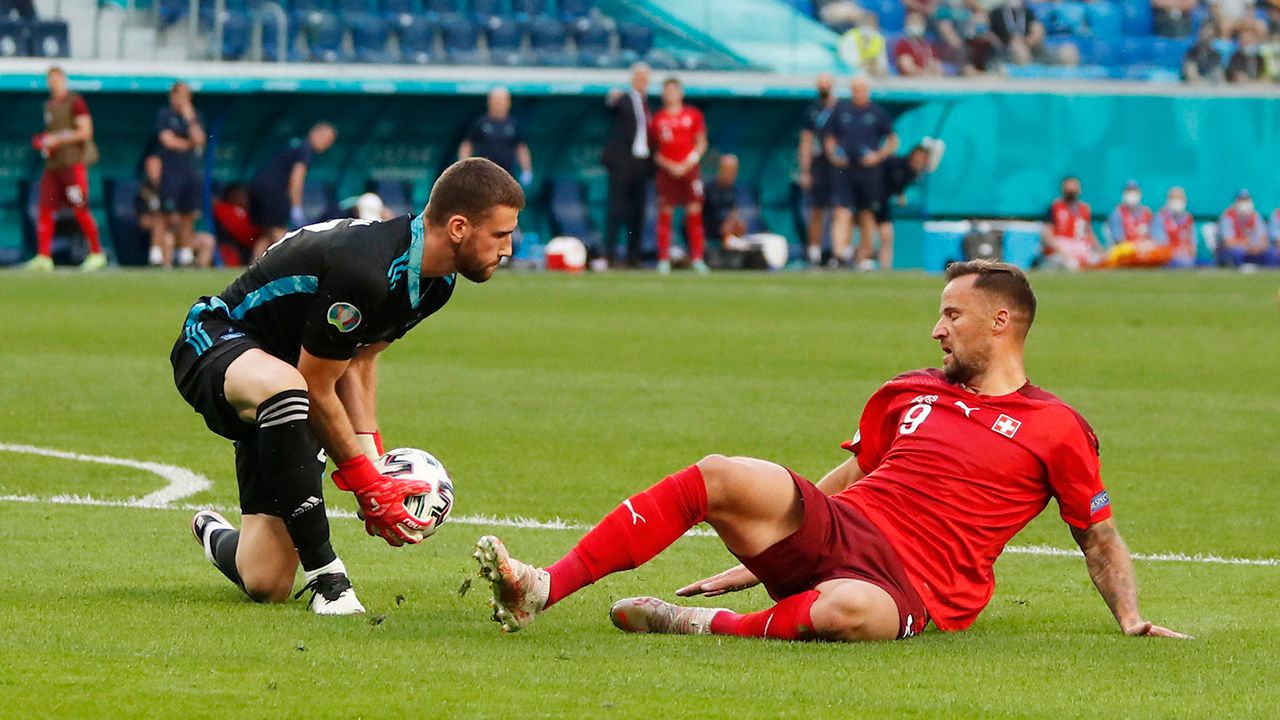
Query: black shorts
{"type": "Point", "coordinates": [207, 346]}
{"type": "Point", "coordinates": [180, 190]}
{"type": "Point", "coordinates": [829, 186]}
{"type": "Point", "coordinates": [269, 207]}
{"type": "Point", "coordinates": [866, 189]}
{"type": "Point", "coordinates": [885, 213]}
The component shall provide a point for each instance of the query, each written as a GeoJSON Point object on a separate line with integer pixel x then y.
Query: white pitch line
{"type": "Point", "coordinates": [183, 483]}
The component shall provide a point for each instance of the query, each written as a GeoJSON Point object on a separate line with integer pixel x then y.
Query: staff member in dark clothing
{"type": "Point", "coordinates": [900, 173]}
{"type": "Point", "coordinates": [860, 137]}
{"type": "Point", "coordinates": [180, 129]}
{"type": "Point", "coordinates": [826, 186]}
{"type": "Point", "coordinates": [275, 193]}
{"type": "Point", "coordinates": [628, 160]}
{"type": "Point", "coordinates": [496, 136]}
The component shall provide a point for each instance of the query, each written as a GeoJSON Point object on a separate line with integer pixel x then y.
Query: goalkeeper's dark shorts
{"type": "Point", "coordinates": [207, 346]}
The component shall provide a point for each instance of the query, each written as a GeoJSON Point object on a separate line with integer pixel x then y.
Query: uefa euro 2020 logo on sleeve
{"type": "Point", "coordinates": [344, 316]}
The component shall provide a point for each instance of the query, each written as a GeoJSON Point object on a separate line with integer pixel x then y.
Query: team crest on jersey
{"type": "Point", "coordinates": [1006, 426]}
{"type": "Point", "coordinates": [344, 316]}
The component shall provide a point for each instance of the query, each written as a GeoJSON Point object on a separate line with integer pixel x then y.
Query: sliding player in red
{"type": "Point", "coordinates": [680, 135]}
{"type": "Point", "coordinates": [948, 466]}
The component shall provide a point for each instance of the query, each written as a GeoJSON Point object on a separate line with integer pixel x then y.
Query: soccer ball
{"type": "Point", "coordinates": [431, 507]}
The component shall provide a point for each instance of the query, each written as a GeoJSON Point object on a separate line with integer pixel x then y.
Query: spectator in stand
{"type": "Point", "coordinates": [923, 8]}
{"type": "Point", "coordinates": [1130, 226]}
{"type": "Point", "coordinates": [1203, 62]}
{"type": "Point", "coordinates": [860, 137]}
{"type": "Point", "coordinates": [496, 136]}
{"type": "Point", "coordinates": [862, 47]}
{"type": "Point", "coordinates": [913, 53]}
{"type": "Point", "coordinates": [1172, 18]}
{"type": "Point", "coordinates": [1176, 229]}
{"type": "Point", "coordinates": [150, 213]}
{"type": "Point", "coordinates": [1248, 64]}
{"type": "Point", "coordinates": [1019, 34]}
{"type": "Point", "coordinates": [231, 222]}
{"type": "Point", "coordinates": [1242, 235]}
{"type": "Point", "coordinates": [824, 183]}
{"type": "Point", "coordinates": [839, 15]}
{"type": "Point", "coordinates": [1068, 241]}
{"type": "Point", "coordinates": [275, 193]}
{"type": "Point", "coordinates": [180, 129]}
{"type": "Point", "coordinates": [1230, 15]}
{"type": "Point", "coordinates": [24, 9]}
{"type": "Point", "coordinates": [964, 28]}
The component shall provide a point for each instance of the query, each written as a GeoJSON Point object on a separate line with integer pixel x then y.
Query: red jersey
{"type": "Point", "coordinates": [951, 476]}
{"type": "Point", "coordinates": [676, 133]}
{"type": "Point", "coordinates": [1070, 220]}
{"type": "Point", "coordinates": [1134, 223]}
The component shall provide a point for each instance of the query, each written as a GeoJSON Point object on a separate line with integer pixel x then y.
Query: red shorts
{"type": "Point", "coordinates": [836, 541]}
{"type": "Point", "coordinates": [67, 187]}
{"type": "Point", "coordinates": [674, 190]}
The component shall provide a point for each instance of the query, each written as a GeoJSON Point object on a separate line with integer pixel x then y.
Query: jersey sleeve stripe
{"type": "Point", "coordinates": [279, 287]}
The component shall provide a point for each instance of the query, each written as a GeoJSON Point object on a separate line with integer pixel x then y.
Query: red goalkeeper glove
{"type": "Point", "coordinates": [381, 501]}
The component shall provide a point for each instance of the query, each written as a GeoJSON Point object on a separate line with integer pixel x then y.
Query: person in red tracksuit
{"type": "Point", "coordinates": [67, 147]}
{"type": "Point", "coordinates": [680, 135]}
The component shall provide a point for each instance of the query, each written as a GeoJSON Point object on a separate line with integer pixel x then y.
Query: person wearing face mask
{"type": "Point", "coordinates": [1130, 226]}
{"type": "Point", "coordinates": [1175, 229]}
{"type": "Point", "coordinates": [1069, 242]}
{"type": "Point", "coordinates": [862, 47]}
{"type": "Point", "coordinates": [913, 53]}
{"type": "Point", "coordinates": [1242, 236]}
{"type": "Point", "coordinates": [1018, 32]}
{"type": "Point", "coordinates": [826, 186]}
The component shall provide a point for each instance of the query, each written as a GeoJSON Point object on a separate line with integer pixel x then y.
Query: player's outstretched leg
{"type": "Point", "coordinates": [519, 589]}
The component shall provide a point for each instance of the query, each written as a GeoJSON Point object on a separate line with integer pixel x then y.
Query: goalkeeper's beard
{"type": "Point", "coordinates": [470, 265]}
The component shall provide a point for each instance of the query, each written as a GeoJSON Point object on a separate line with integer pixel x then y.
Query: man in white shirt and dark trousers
{"type": "Point", "coordinates": [629, 162]}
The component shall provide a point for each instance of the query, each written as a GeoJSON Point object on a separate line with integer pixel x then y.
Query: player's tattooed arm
{"type": "Point", "coordinates": [1111, 568]}
{"type": "Point", "coordinates": [844, 475]}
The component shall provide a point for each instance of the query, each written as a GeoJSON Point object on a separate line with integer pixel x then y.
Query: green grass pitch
{"type": "Point", "coordinates": [555, 397]}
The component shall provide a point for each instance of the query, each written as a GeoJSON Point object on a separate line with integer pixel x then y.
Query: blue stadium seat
{"type": "Point", "coordinates": [504, 38]}
{"type": "Point", "coordinates": [461, 40]}
{"type": "Point", "coordinates": [1066, 18]}
{"type": "Point", "coordinates": [1098, 51]}
{"type": "Point", "coordinates": [349, 8]}
{"type": "Point", "coordinates": [304, 12]}
{"type": "Point", "coordinates": [236, 31]}
{"type": "Point", "coordinates": [1105, 20]}
{"type": "Point", "coordinates": [1137, 17]}
{"type": "Point", "coordinates": [271, 49]}
{"type": "Point", "coordinates": [171, 11]}
{"type": "Point", "coordinates": [49, 39]}
{"type": "Point", "coordinates": [482, 10]}
{"type": "Point", "coordinates": [370, 37]}
{"type": "Point", "coordinates": [526, 10]}
{"type": "Point", "coordinates": [397, 195]}
{"type": "Point", "coordinates": [547, 41]}
{"type": "Point", "coordinates": [594, 39]}
{"type": "Point", "coordinates": [418, 41]}
{"type": "Point", "coordinates": [324, 35]}
{"type": "Point", "coordinates": [569, 214]}
{"type": "Point", "coordinates": [571, 10]}
{"type": "Point", "coordinates": [1137, 50]}
{"type": "Point", "coordinates": [15, 38]}
{"type": "Point", "coordinates": [892, 14]}
{"type": "Point", "coordinates": [636, 41]}
{"type": "Point", "coordinates": [401, 12]}
{"type": "Point", "coordinates": [1168, 52]}
{"type": "Point", "coordinates": [439, 8]}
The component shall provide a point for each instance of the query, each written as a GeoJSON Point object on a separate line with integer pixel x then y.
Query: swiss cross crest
{"type": "Point", "coordinates": [1006, 426]}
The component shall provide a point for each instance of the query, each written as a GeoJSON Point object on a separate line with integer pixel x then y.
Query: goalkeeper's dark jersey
{"type": "Point", "coordinates": [329, 288]}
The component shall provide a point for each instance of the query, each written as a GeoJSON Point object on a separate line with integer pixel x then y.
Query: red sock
{"type": "Point", "coordinates": [694, 231]}
{"type": "Point", "coordinates": [44, 231]}
{"type": "Point", "coordinates": [89, 227]}
{"type": "Point", "coordinates": [788, 620]}
{"type": "Point", "coordinates": [664, 233]}
{"type": "Point", "coordinates": [641, 527]}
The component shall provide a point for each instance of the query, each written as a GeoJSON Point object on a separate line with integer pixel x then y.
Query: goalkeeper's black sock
{"type": "Point", "coordinates": [223, 542]}
{"type": "Point", "coordinates": [289, 457]}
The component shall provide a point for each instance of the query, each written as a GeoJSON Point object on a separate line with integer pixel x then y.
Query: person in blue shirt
{"type": "Point", "coordinates": [496, 136]}
{"type": "Point", "coordinates": [180, 132]}
{"type": "Point", "coordinates": [275, 193]}
{"type": "Point", "coordinates": [859, 137]}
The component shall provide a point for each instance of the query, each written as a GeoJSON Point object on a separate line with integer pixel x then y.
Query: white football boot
{"type": "Point", "coordinates": [651, 615]}
{"type": "Point", "coordinates": [331, 591]}
{"type": "Point", "coordinates": [520, 590]}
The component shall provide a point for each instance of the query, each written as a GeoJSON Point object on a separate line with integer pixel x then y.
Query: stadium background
{"type": "Point", "coordinates": [752, 66]}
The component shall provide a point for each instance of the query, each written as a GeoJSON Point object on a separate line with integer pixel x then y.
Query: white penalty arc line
{"type": "Point", "coordinates": [183, 483]}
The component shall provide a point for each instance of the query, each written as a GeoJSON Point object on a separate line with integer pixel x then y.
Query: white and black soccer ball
{"type": "Point", "coordinates": [432, 507]}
